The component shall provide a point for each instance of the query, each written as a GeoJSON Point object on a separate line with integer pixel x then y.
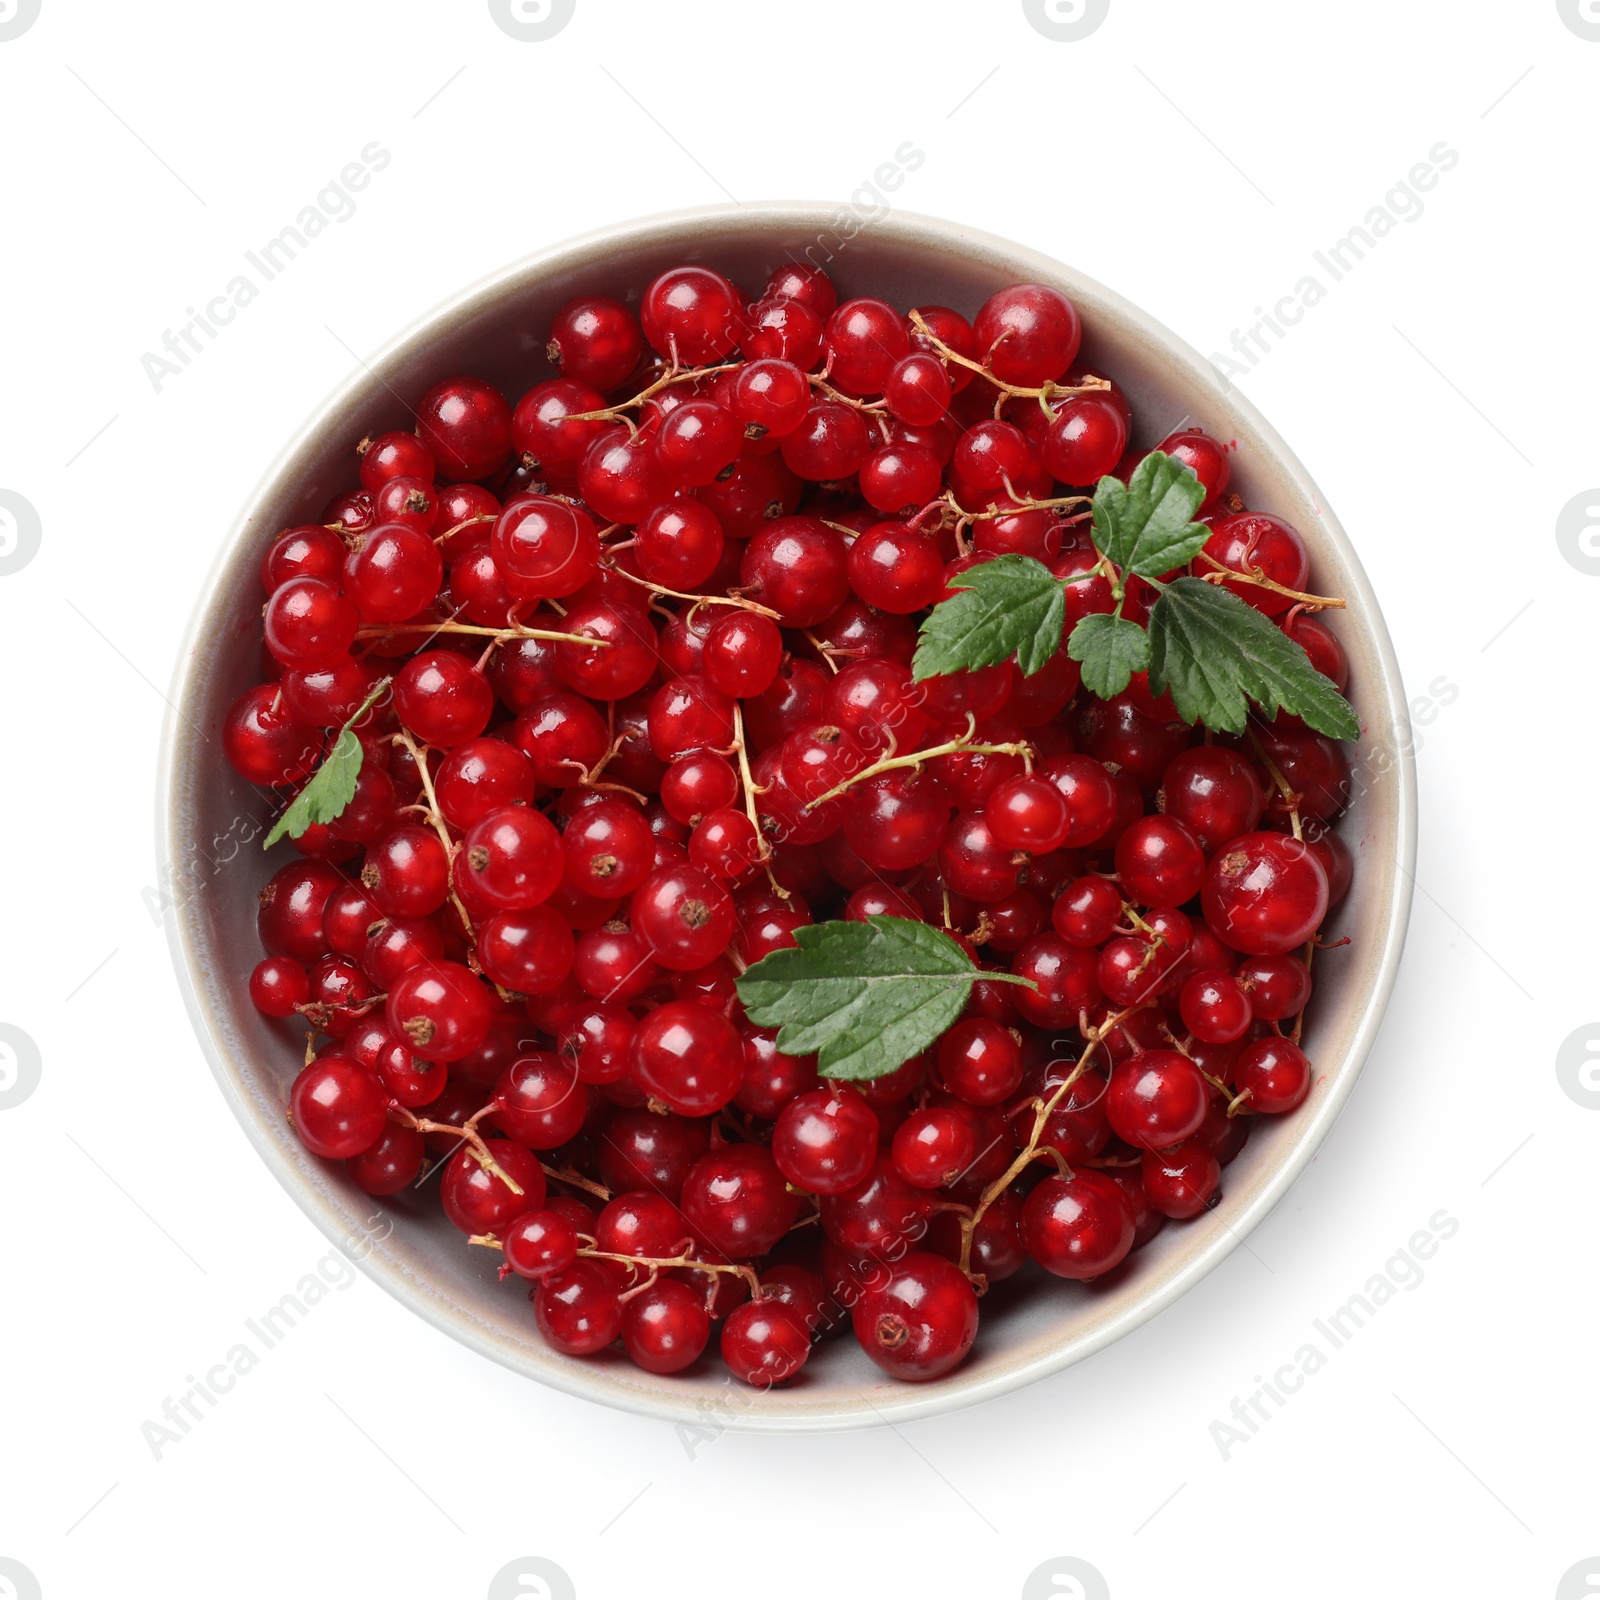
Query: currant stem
{"type": "Point", "coordinates": [917, 757]}
{"type": "Point", "coordinates": [674, 374]}
{"type": "Point", "coordinates": [698, 599]}
{"type": "Point", "coordinates": [1310, 602]}
{"type": "Point", "coordinates": [1047, 391]}
{"type": "Point", "coordinates": [1290, 798]}
{"type": "Point", "coordinates": [499, 635]}
{"type": "Point", "coordinates": [1041, 1117]}
{"type": "Point", "coordinates": [436, 821]}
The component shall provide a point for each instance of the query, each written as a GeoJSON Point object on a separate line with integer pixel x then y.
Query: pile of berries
{"type": "Point", "coordinates": [629, 663]}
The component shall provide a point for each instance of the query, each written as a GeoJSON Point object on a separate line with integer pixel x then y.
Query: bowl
{"type": "Point", "coordinates": [210, 821]}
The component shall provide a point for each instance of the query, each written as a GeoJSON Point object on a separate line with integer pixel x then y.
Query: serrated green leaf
{"type": "Point", "coordinates": [333, 784]}
{"type": "Point", "coordinates": [1011, 606]}
{"type": "Point", "coordinates": [1111, 649]}
{"type": "Point", "coordinates": [1148, 527]}
{"type": "Point", "coordinates": [1214, 654]}
{"type": "Point", "coordinates": [862, 996]}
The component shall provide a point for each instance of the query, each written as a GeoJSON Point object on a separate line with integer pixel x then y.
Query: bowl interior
{"type": "Point", "coordinates": [210, 821]}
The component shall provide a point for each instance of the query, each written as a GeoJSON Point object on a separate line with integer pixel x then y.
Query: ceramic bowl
{"type": "Point", "coordinates": [210, 821]}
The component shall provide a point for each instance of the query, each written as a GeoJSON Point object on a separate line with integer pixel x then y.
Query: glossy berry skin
{"type": "Point", "coordinates": [1066, 981]}
{"type": "Point", "coordinates": [684, 915]}
{"type": "Point", "coordinates": [1078, 1227]}
{"type": "Point", "coordinates": [692, 313]}
{"type": "Point", "coordinates": [1209, 460]}
{"type": "Point", "coordinates": [291, 906]}
{"type": "Point", "coordinates": [765, 1342]}
{"type": "Point", "coordinates": [825, 1141]}
{"type": "Point", "coordinates": [932, 1148]}
{"type": "Point", "coordinates": [395, 573]}
{"type": "Point", "coordinates": [917, 389]}
{"type": "Point", "coordinates": [896, 569]}
{"type": "Point", "coordinates": [1214, 791]}
{"type": "Point", "coordinates": [797, 567]}
{"type": "Point", "coordinates": [689, 1057]}
{"type": "Point", "coordinates": [1265, 894]}
{"type": "Point", "coordinates": [579, 1308]}
{"type": "Point", "coordinates": [1214, 1007]}
{"type": "Point", "coordinates": [440, 1009]}
{"type": "Point", "coordinates": [1090, 796]}
{"type": "Point", "coordinates": [543, 548]}
{"type": "Point", "coordinates": [477, 1200]}
{"type": "Point", "coordinates": [308, 623]}
{"type": "Point", "coordinates": [865, 338]}
{"type": "Point", "coordinates": [779, 329]}
{"type": "Point", "coordinates": [1156, 1099]}
{"type": "Point", "coordinates": [1085, 440]}
{"type": "Point", "coordinates": [980, 1061]}
{"type": "Point", "coordinates": [389, 1164]}
{"type": "Point", "coordinates": [338, 1107]}
{"type": "Point", "coordinates": [1027, 813]}
{"type": "Point", "coordinates": [1027, 334]}
{"type": "Point", "coordinates": [513, 858]}
{"type": "Point", "coordinates": [1278, 987]}
{"type": "Point", "coordinates": [736, 1200]}
{"type": "Point", "coordinates": [645, 1150]}
{"type": "Point", "coordinates": [263, 741]}
{"type": "Point", "coordinates": [1160, 862]}
{"type": "Point", "coordinates": [480, 776]}
{"type": "Point", "coordinates": [678, 544]}
{"type": "Point", "coordinates": [443, 698]}
{"type": "Point", "coordinates": [1087, 911]}
{"type": "Point", "coordinates": [595, 340]}
{"type": "Point", "coordinates": [1266, 546]}
{"type": "Point", "coordinates": [743, 653]}
{"type": "Point", "coordinates": [609, 849]}
{"type": "Point", "coordinates": [539, 1102]}
{"type": "Point", "coordinates": [1183, 1181]}
{"type": "Point", "coordinates": [539, 1242]}
{"type": "Point", "coordinates": [665, 1327]}
{"type": "Point", "coordinates": [311, 551]}
{"type": "Point", "coordinates": [278, 986]}
{"type": "Point", "coordinates": [920, 1322]}
{"type": "Point", "coordinates": [1276, 1074]}
{"type": "Point", "coordinates": [466, 425]}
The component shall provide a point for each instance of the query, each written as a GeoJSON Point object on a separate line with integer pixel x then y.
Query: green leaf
{"type": "Point", "coordinates": [1011, 606]}
{"type": "Point", "coordinates": [862, 996]}
{"type": "Point", "coordinates": [332, 785]}
{"type": "Point", "coordinates": [1111, 649]}
{"type": "Point", "coordinates": [1148, 527]}
{"type": "Point", "coordinates": [1214, 654]}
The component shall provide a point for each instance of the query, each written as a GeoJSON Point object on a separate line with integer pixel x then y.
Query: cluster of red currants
{"type": "Point", "coordinates": [644, 642]}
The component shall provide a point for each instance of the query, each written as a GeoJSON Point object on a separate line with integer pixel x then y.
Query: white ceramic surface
{"type": "Point", "coordinates": [209, 822]}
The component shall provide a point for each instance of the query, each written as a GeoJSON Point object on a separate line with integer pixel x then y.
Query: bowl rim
{"type": "Point", "coordinates": [908, 1402]}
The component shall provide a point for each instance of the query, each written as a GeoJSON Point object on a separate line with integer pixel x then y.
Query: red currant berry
{"type": "Point", "coordinates": [1183, 1181]}
{"type": "Point", "coordinates": [540, 1242]}
{"type": "Point", "coordinates": [1275, 1074]}
{"type": "Point", "coordinates": [685, 917]}
{"type": "Point", "coordinates": [1277, 986]}
{"type": "Point", "coordinates": [440, 1009]}
{"type": "Point", "coordinates": [579, 1308]}
{"type": "Point", "coordinates": [736, 1200]}
{"type": "Point", "coordinates": [338, 1108]}
{"type": "Point", "coordinates": [765, 1342]}
{"type": "Point", "coordinates": [1265, 894]}
{"type": "Point", "coordinates": [594, 340]}
{"type": "Point", "coordinates": [921, 1320]}
{"type": "Point", "coordinates": [1078, 1227]}
{"type": "Point", "coordinates": [1156, 1099]}
{"type": "Point", "coordinates": [689, 1057]}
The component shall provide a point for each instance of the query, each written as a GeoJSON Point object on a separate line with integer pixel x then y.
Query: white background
{"type": "Point", "coordinates": [1192, 156]}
